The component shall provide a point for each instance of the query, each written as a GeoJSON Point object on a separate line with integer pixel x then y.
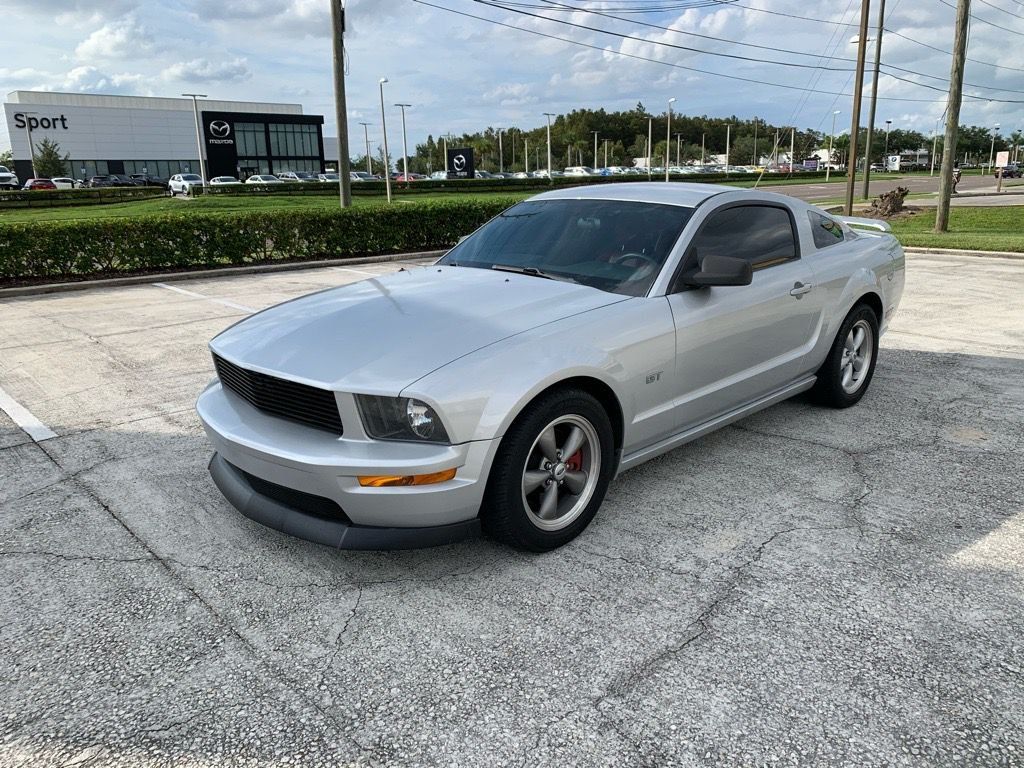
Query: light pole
{"type": "Point", "coordinates": [526, 155]}
{"type": "Point", "coordinates": [31, 149]}
{"type": "Point", "coordinates": [679, 145]}
{"type": "Point", "coordinates": [992, 149]}
{"type": "Point", "coordinates": [605, 142]}
{"type": "Point", "coordinates": [595, 147]}
{"type": "Point", "coordinates": [831, 142]}
{"type": "Point", "coordinates": [887, 124]}
{"type": "Point", "coordinates": [668, 135]}
{"type": "Point", "coordinates": [366, 138]}
{"type": "Point", "coordinates": [728, 129]}
{"type": "Point", "coordinates": [549, 115]}
{"type": "Point", "coordinates": [753, 159]}
{"type": "Point", "coordinates": [199, 138]}
{"type": "Point", "coordinates": [405, 145]}
{"type": "Point", "coordinates": [501, 154]}
{"type": "Point", "coordinates": [650, 151]}
{"type": "Point", "coordinates": [384, 130]}
{"type": "Point", "coordinates": [702, 148]}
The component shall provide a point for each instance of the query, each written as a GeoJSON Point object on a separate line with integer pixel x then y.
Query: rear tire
{"type": "Point", "coordinates": [847, 371]}
{"type": "Point", "coordinates": [551, 472]}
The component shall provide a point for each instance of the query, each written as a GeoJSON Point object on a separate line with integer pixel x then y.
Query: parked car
{"type": "Point", "coordinates": [579, 170]}
{"type": "Point", "coordinates": [263, 178]}
{"type": "Point", "coordinates": [99, 181]}
{"type": "Point", "coordinates": [297, 177]}
{"type": "Point", "coordinates": [483, 175]}
{"type": "Point", "coordinates": [1012, 171]}
{"type": "Point", "coordinates": [364, 176]}
{"type": "Point", "coordinates": [64, 182]}
{"type": "Point", "coordinates": [122, 180]}
{"type": "Point", "coordinates": [439, 176]}
{"type": "Point", "coordinates": [33, 184]}
{"type": "Point", "coordinates": [147, 180]}
{"type": "Point", "coordinates": [185, 183]}
{"type": "Point", "coordinates": [335, 178]}
{"type": "Point", "coordinates": [8, 179]}
{"type": "Point", "coordinates": [224, 181]}
{"type": "Point", "coordinates": [414, 408]}
{"type": "Point", "coordinates": [521, 175]}
{"type": "Point", "coordinates": [411, 177]}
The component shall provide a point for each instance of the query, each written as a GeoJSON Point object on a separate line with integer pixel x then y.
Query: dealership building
{"type": "Point", "coordinates": [136, 134]}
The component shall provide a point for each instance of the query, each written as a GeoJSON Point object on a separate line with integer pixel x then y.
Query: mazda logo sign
{"type": "Point", "coordinates": [459, 162]}
{"type": "Point", "coordinates": [220, 129]}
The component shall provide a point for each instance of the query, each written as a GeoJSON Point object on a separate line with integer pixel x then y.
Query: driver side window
{"type": "Point", "coordinates": [761, 234]}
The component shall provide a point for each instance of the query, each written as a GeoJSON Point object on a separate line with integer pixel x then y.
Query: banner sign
{"type": "Point", "coordinates": [811, 164]}
{"type": "Point", "coordinates": [460, 163]}
{"type": "Point", "coordinates": [1002, 159]}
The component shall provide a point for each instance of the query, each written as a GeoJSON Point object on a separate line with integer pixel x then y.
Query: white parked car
{"type": "Point", "coordinates": [64, 182]}
{"type": "Point", "coordinates": [8, 179]}
{"type": "Point", "coordinates": [330, 176]}
{"type": "Point", "coordinates": [263, 178]}
{"type": "Point", "coordinates": [577, 334]}
{"type": "Point", "coordinates": [224, 181]}
{"type": "Point", "coordinates": [296, 177]}
{"type": "Point", "coordinates": [185, 183]}
{"type": "Point", "coordinates": [579, 170]}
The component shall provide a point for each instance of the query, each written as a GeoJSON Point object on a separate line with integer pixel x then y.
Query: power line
{"type": "Point", "coordinates": [1000, 27]}
{"type": "Point", "coordinates": [645, 58]}
{"type": "Point", "coordinates": [622, 35]}
{"type": "Point", "coordinates": [950, 53]}
{"type": "Point", "coordinates": [502, 4]}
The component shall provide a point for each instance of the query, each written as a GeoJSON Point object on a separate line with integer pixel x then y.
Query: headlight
{"type": "Point", "coordinates": [400, 418]}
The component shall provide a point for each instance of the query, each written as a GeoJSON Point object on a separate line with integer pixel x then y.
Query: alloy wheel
{"type": "Point", "coordinates": [561, 472]}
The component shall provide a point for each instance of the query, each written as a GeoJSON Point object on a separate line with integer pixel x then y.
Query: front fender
{"type": "Point", "coordinates": [479, 395]}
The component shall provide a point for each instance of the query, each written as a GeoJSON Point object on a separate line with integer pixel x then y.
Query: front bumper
{"type": "Point", "coordinates": [314, 462]}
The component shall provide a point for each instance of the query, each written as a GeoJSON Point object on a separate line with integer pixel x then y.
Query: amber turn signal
{"type": "Point", "coordinates": [388, 481]}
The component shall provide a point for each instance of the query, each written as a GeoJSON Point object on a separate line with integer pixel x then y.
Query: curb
{"type": "Point", "coordinates": [959, 252]}
{"type": "Point", "coordinates": [114, 282]}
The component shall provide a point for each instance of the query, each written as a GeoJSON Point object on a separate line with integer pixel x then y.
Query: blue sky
{"type": "Point", "coordinates": [462, 74]}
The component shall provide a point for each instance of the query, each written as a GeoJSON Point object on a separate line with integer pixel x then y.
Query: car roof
{"type": "Point", "coordinates": [673, 193]}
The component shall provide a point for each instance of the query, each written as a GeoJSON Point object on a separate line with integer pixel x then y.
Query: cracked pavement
{"type": "Point", "coordinates": [806, 587]}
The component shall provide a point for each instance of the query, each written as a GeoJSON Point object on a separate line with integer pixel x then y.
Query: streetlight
{"type": "Point", "coordinates": [887, 124]}
{"type": "Point", "coordinates": [668, 135]}
{"type": "Point", "coordinates": [831, 141]}
{"type": "Point", "coordinates": [31, 149]}
{"type": "Point", "coordinates": [199, 138]}
{"type": "Point", "coordinates": [366, 137]}
{"type": "Point", "coordinates": [992, 149]}
{"type": "Point", "coordinates": [405, 145]}
{"type": "Point", "coordinates": [549, 115]}
{"type": "Point", "coordinates": [384, 130]}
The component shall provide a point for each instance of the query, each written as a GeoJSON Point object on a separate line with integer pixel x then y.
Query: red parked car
{"type": "Point", "coordinates": [39, 184]}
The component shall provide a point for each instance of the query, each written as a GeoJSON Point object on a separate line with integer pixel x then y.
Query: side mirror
{"type": "Point", "coordinates": [721, 270]}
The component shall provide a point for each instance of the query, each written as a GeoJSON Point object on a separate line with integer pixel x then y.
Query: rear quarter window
{"type": "Point", "coordinates": [824, 230]}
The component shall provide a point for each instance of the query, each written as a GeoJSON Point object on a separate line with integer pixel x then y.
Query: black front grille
{"type": "Point", "coordinates": [280, 397]}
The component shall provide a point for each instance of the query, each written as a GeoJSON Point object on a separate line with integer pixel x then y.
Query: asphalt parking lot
{"type": "Point", "coordinates": [808, 587]}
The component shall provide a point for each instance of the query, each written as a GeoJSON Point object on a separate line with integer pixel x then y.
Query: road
{"type": "Point", "coordinates": [806, 587]}
{"type": "Point", "coordinates": [817, 191]}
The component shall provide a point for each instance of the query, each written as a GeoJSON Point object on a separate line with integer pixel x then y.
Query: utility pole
{"type": "Point", "coordinates": [668, 136]}
{"type": "Point", "coordinates": [384, 130]}
{"type": "Point", "coordinates": [366, 139]}
{"type": "Point", "coordinates": [405, 145]}
{"type": "Point", "coordinates": [956, 84]}
{"type": "Point", "coordinates": [340, 109]}
{"type": "Point", "coordinates": [549, 115]}
{"type": "Point", "coordinates": [831, 141]}
{"type": "Point", "coordinates": [874, 102]}
{"type": "Point", "coordinates": [858, 92]}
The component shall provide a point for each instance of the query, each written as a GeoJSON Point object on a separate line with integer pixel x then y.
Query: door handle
{"type": "Point", "coordinates": [799, 289]}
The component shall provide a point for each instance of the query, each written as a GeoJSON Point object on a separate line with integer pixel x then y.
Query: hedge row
{"type": "Point", "coordinates": [74, 249]}
{"type": "Point", "coordinates": [89, 196]}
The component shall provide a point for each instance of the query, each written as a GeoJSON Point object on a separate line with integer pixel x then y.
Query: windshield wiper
{"type": "Point", "coordinates": [532, 271]}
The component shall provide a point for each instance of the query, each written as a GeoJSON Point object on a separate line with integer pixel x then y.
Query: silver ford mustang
{"type": "Point", "coordinates": [574, 336]}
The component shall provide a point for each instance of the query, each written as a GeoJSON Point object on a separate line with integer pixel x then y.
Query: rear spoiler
{"type": "Point", "coordinates": [861, 222]}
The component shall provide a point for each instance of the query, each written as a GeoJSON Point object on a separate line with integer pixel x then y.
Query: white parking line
{"type": "Point", "coordinates": [193, 294]}
{"type": "Point", "coordinates": [357, 271]}
{"type": "Point", "coordinates": [24, 418]}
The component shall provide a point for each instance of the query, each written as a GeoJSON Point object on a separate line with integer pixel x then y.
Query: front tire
{"type": "Point", "coordinates": [847, 371]}
{"type": "Point", "coordinates": [551, 472]}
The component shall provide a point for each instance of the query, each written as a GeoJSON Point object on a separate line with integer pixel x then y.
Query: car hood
{"type": "Point", "coordinates": [379, 335]}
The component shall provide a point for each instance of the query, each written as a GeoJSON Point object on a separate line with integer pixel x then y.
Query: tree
{"type": "Point", "coordinates": [47, 161]}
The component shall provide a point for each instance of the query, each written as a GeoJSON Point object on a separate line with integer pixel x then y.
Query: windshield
{"type": "Point", "coordinates": [189, 177]}
{"type": "Point", "coordinates": [613, 245]}
{"type": "Point", "coordinates": [3, 169]}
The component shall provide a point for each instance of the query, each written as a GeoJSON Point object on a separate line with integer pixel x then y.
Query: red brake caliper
{"type": "Point", "coordinates": [575, 462]}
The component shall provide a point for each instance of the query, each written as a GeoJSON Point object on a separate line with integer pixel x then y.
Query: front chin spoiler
{"type": "Point", "coordinates": [332, 533]}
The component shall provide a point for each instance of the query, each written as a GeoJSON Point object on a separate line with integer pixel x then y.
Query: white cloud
{"type": "Point", "coordinates": [205, 71]}
{"type": "Point", "coordinates": [124, 38]}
